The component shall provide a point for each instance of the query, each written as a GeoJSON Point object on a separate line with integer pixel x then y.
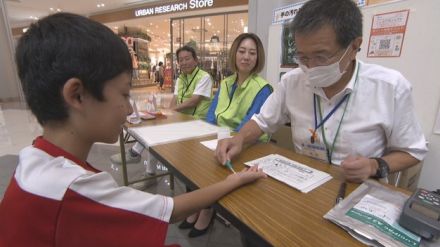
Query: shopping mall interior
{"type": "Point", "coordinates": [153, 38]}
{"type": "Point", "coordinates": [153, 31]}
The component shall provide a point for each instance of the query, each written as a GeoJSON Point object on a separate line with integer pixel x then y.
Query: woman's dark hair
{"type": "Point", "coordinates": [260, 52]}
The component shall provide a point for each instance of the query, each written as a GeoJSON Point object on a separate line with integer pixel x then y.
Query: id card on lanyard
{"type": "Point", "coordinates": [186, 85]}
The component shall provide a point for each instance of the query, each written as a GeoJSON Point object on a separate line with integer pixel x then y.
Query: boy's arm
{"type": "Point", "coordinates": [188, 203]}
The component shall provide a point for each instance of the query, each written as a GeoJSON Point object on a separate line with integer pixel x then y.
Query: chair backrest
{"type": "Point", "coordinates": [283, 137]}
{"type": "Point", "coordinates": [408, 178]}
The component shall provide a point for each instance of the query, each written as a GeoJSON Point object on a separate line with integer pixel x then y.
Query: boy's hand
{"type": "Point", "coordinates": [247, 175]}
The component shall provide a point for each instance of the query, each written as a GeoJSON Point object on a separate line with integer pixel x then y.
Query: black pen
{"type": "Point", "coordinates": [341, 192]}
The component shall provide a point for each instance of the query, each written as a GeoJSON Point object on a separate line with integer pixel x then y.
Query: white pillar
{"type": "Point", "coordinates": [10, 88]}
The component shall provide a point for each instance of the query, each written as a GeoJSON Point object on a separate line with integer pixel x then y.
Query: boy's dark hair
{"type": "Point", "coordinates": [63, 46]}
{"type": "Point", "coordinates": [260, 52]}
{"type": "Point", "coordinates": [188, 49]}
{"type": "Point", "coordinates": [343, 15]}
{"type": "Point", "coordinates": [160, 63]}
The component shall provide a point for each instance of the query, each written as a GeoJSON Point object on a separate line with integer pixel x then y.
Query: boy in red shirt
{"type": "Point", "coordinates": [76, 76]}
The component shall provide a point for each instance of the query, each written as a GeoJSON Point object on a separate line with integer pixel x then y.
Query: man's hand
{"type": "Point", "coordinates": [358, 169]}
{"type": "Point", "coordinates": [228, 148]}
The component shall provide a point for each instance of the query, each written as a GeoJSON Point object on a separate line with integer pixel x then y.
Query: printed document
{"type": "Point", "coordinates": [290, 172]}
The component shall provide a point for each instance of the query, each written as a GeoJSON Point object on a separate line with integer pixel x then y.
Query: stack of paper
{"type": "Point", "coordinates": [166, 133]}
{"type": "Point", "coordinates": [293, 173]}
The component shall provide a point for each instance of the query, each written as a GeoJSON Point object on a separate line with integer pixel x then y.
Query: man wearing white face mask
{"type": "Point", "coordinates": [342, 111]}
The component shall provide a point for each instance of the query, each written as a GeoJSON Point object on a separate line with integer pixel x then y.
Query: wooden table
{"type": "Point", "coordinates": [267, 211]}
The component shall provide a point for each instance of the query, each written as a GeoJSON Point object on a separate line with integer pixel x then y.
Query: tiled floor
{"type": "Point", "coordinates": [18, 128]}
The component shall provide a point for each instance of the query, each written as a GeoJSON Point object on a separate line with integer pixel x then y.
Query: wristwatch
{"type": "Point", "coordinates": [383, 169]}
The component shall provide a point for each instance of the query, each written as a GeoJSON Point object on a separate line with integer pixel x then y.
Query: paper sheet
{"type": "Point", "coordinates": [166, 133]}
{"type": "Point", "coordinates": [211, 144]}
{"type": "Point", "coordinates": [290, 172]}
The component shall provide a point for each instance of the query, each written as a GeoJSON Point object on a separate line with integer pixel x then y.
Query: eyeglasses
{"type": "Point", "coordinates": [319, 60]}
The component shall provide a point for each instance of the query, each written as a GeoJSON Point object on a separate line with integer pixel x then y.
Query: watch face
{"type": "Point", "coordinates": [383, 168]}
{"type": "Point", "coordinates": [383, 171]}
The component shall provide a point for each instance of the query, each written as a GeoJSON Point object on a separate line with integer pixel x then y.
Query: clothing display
{"type": "Point", "coordinates": [377, 116]}
{"type": "Point", "coordinates": [55, 199]}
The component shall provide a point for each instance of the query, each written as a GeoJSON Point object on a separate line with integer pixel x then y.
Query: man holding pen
{"type": "Point", "coordinates": [342, 111]}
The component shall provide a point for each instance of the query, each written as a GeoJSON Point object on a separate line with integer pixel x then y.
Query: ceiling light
{"type": "Point", "coordinates": [100, 5]}
{"type": "Point", "coordinates": [58, 10]}
{"type": "Point", "coordinates": [51, 9]}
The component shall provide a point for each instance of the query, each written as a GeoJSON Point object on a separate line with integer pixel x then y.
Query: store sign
{"type": "Point", "coordinates": [175, 7]}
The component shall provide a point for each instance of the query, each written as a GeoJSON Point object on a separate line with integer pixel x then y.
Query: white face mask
{"type": "Point", "coordinates": [324, 76]}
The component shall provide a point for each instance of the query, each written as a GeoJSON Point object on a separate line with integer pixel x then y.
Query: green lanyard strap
{"type": "Point", "coordinates": [332, 148]}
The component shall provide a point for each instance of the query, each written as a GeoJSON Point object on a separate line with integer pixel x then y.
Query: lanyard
{"type": "Point", "coordinates": [330, 150]}
{"type": "Point", "coordinates": [317, 126]}
{"type": "Point", "coordinates": [188, 85]}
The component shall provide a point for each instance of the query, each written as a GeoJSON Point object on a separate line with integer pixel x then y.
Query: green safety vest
{"type": "Point", "coordinates": [187, 85]}
{"type": "Point", "coordinates": [231, 111]}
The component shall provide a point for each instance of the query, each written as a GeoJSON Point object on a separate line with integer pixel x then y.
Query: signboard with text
{"type": "Point", "coordinates": [286, 13]}
{"type": "Point", "coordinates": [387, 33]}
{"type": "Point", "coordinates": [174, 7]}
{"type": "Point", "coordinates": [165, 7]}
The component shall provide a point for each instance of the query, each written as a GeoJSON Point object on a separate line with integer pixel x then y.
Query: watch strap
{"type": "Point", "coordinates": [383, 169]}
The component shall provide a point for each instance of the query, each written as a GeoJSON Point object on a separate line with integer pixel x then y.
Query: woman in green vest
{"type": "Point", "coordinates": [240, 96]}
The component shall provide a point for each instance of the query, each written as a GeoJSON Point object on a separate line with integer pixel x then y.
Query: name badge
{"type": "Point", "coordinates": [315, 150]}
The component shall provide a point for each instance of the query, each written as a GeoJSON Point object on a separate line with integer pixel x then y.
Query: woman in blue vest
{"type": "Point", "coordinates": [240, 96]}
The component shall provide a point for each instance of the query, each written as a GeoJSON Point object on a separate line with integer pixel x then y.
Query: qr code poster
{"type": "Point", "coordinates": [387, 33]}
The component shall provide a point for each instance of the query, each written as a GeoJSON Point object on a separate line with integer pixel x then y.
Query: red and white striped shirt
{"type": "Point", "coordinates": [55, 199]}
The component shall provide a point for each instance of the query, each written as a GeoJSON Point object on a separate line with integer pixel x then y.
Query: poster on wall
{"type": "Point", "coordinates": [387, 33]}
{"type": "Point", "coordinates": [288, 47]}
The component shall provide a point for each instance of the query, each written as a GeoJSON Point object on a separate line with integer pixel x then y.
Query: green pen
{"type": "Point", "coordinates": [229, 166]}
